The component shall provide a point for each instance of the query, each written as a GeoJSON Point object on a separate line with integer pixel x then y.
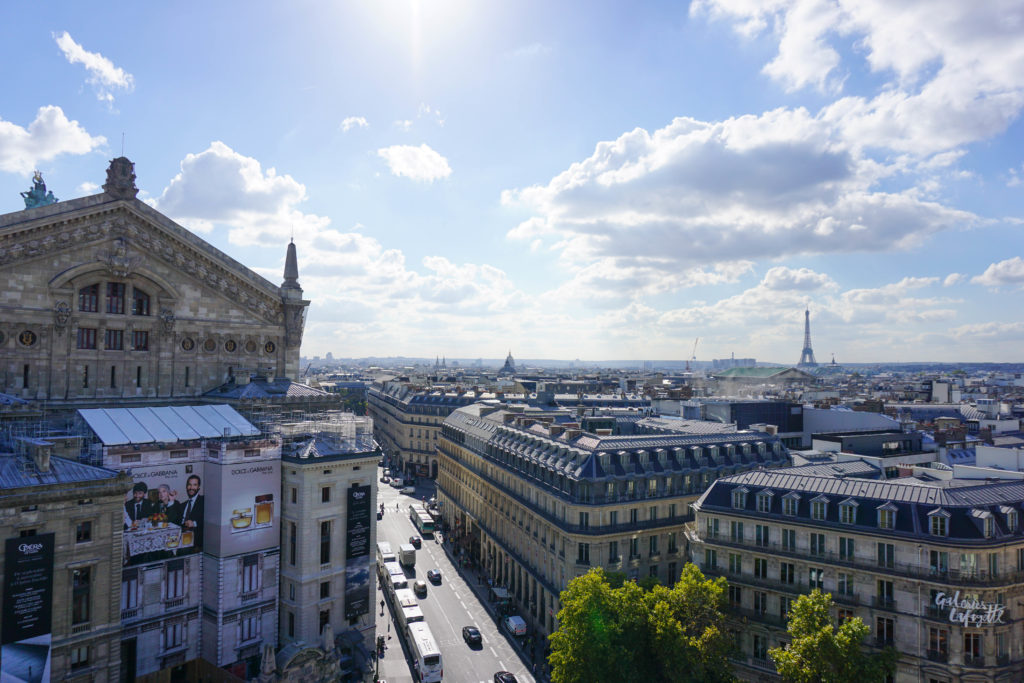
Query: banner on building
{"type": "Point", "coordinates": [27, 608]}
{"type": "Point", "coordinates": [244, 507]}
{"type": "Point", "coordinates": [357, 553]}
{"type": "Point", "coordinates": [163, 512]}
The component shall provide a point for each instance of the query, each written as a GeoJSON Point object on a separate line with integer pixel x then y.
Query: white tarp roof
{"type": "Point", "coordinates": [166, 424]}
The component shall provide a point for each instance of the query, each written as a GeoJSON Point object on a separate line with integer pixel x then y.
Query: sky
{"type": "Point", "coordinates": [598, 180]}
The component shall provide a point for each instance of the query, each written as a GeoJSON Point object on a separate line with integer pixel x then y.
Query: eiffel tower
{"type": "Point", "coordinates": [807, 355]}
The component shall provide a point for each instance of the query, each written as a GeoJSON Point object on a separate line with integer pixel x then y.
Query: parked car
{"type": "Point", "coordinates": [420, 587]}
{"type": "Point", "coordinates": [505, 677]}
{"type": "Point", "coordinates": [515, 625]}
{"type": "Point", "coordinates": [471, 634]}
{"type": "Point", "coordinates": [408, 490]}
{"type": "Point", "coordinates": [385, 479]}
{"type": "Point", "coordinates": [416, 542]}
{"type": "Point", "coordinates": [434, 575]}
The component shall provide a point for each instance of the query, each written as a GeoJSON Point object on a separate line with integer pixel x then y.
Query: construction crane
{"type": "Point", "coordinates": [693, 354]}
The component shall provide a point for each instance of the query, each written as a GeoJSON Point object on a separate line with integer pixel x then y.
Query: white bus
{"type": "Point", "coordinates": [423, 522]}
{"type": "Point", "coordinates": [396, 577]}
{"type": "Point", "coordinates": [426, 656]}
{"type": "Point", "coordinates": [407, 607]}
{"type": "Point", "coordinates": [384, 554]}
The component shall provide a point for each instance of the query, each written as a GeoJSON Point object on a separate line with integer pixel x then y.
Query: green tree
{"type": "Point", "coordinates": [627, 633]}
{"type": "Point", "coordinates": [822, 653]}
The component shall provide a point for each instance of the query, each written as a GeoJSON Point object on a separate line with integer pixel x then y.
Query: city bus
{"type": "Point", "coordinates": [424, 522]}
{"type": "Point", "coordinates": [396, 577]}
{"type": "Point", "coordinates": [407, 608]}
{"type": "Point", "coordinates": [426, 656]}
{"type": "Point", "coordinates": [384, 554]}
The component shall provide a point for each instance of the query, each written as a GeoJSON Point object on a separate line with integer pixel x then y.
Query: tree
{"type": "Point", "coordinates": [627, 633]}
{"type": "Point", "coordinates": [822, 653]}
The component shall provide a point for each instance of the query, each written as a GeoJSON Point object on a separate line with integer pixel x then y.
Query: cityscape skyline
{"type": "Point", "coordinates": [470, 178]}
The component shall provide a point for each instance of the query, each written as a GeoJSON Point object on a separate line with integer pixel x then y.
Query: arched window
{"type": "Point", "coordinates": [140, 302]}
{"type": "Point", "coordinates": [89, 298]}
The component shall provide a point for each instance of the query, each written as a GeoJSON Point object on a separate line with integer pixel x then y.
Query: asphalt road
{"type": "Point", "coordinates": [446, 608]}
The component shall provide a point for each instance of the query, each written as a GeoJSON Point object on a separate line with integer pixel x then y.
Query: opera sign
{"type": "Point", "coordinates": [970, 612]}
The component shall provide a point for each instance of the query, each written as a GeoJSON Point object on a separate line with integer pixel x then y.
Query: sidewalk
{"type": "Point", "coordinates": [476, 579]}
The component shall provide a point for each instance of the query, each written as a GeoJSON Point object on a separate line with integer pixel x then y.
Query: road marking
{"type": "Point", "coordinates": [463, 605]}
{"type": "Point", "coordinates": [501, 665]}
{"type": "Point", "coordinates": [494, 653]}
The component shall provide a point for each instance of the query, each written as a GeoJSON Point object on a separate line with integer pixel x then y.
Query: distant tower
{"type": "Point", "coordinates": [510, 366]}
{"type": "Point", "coordinates": [807, 355]}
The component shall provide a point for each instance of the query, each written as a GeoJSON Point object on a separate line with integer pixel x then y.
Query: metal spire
{"type": "Point", "coordinates": [807, 355]}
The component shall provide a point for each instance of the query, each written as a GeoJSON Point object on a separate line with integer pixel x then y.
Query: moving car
{"type": "Point", "coordinates": [505, 677]}
{"type": "Point", "coordinates": [420, 587]}
{"type": "Point", "coordinates": [471, 634]}
{"type": "Point", "coordinates": [434, 575]}
{"type": "Point", "coordinates": [408, 490]}
{"type": "Point", "coordinates": [416, 542]}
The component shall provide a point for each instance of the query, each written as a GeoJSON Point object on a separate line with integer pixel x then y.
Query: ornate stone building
{"type": "Point", "coordinates": [102, 298]}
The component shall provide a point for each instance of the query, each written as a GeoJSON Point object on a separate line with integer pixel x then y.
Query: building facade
{"type": "Point", "coordinates": [934, 568]}
{"type": "Point", "coordinates": [328, 537]}
{"type": "Point", "coordinates": [78, 508]}
{"type": "Point", "coordinates": [538, 497]}
{"type": "Point", "coordinates": [407, 423]}
{"type": "Point", "coordinates": [105, 299]}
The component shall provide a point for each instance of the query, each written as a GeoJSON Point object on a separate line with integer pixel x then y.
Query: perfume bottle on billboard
{"type": "Point", "coordinates": [264, 509]}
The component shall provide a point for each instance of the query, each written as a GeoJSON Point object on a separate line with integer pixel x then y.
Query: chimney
{"type": "Point", "coordinates": [41, 457]}
{"type": "Point", "coordinates": [571, 434]}
{"type": "Point", "coordinates": [555, 430]}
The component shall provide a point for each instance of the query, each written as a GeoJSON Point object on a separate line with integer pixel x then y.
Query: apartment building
{"type": "Point", "coordinates": [538, 497]}
{"type": "Point", "coordinates": [934, 567]}
{"type": "Point", "coordinates": [61, 525]}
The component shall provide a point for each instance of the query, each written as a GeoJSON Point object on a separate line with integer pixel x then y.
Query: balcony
{"type": "Point", "coordinates": [941, 656]}
{"type": "Point", "coordinates": [846, 599]}
{"type": "Point", "coordinates": [884, 602]}
{"type": "Point", "coordinates": [81, 628]}
{"type": "Point", "coordinates": [884, 641]}
{"type": "Point", "coordinates": [171, 603]}
{"type": "Point", "coordinates": [129, 613]}
{"type": "Point", "coordinates": [744, 615]}
{"type": "Point", "coordinates": [974, 660]}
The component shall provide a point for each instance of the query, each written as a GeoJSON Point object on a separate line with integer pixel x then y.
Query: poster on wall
{"type": "Point", "coordinates": [164, 512]}
{"type": "Point", "coordinates": [27, 607]}
{"type": "Point", "coordinates": [244, 507]}
{"type": "Point", "coordinates": [357, 553]}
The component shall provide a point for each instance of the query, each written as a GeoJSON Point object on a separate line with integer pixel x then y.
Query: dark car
{"type": "Point", "coordinates": [434, 575]}
{"type": "Point", "coordinates": [471, 634]}
{"type": "Point", "coordinates": [416, 542]}
{"type": "Point", "coordinates": [385, 479]}
{"type": "Point", "coordinates": [505, 677]}
{"type": "Point", "coordinates": [420, 588]}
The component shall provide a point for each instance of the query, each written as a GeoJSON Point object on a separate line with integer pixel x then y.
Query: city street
{"type": "Point", "coordinates": [447, 607]}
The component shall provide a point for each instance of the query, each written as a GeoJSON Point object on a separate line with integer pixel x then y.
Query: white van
{"type": "Point", "coordinates": [516, 626]}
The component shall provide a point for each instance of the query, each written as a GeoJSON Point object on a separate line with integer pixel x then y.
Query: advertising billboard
{"type": "Point", "coordinates": [163, 512]}
{"type": "Point", "coordinates": [357, 552]}
{"type": "Point", "coordinates": [27, 608]}
{"type": "Point", "coordinates": [244, 508]}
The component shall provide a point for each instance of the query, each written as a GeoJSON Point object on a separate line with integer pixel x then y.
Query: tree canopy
{"type": "Point", "coordinates": [627, 633]}
{"type": "Point", "coordinates": [822, 653]}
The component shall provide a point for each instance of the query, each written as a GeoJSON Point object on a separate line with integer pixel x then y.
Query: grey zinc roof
{"type": "Point", "coordinates": [166, 424]}
{"type": "Point", "coordinates": [18, 472]}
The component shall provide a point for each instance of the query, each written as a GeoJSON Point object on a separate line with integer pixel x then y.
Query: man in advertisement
{"type": "Point", "coordinates": [190, 516]}
{"type": "Point", "coordinates": [139, 507]}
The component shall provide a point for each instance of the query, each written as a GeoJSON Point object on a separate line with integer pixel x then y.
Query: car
{"type": "Point", "coordinates": [385, 479]}
{"type": "Point", "coordinates": [434, 575]}
{"type": "Point", "coordinates": [505, 677]}
{"type": "Point", "coordinates": [420, 588]}
{"type": "Point", "coordinates": [416, 542]}
{"type": "Point", "coordinates": [471, 634]}
{"type": "Point", "coordinates": [408, 490]}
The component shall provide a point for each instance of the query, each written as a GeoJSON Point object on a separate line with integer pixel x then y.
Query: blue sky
{"type": "Point", "coordinates": [567, 180]}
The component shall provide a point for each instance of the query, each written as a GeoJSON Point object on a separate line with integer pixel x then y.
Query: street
{"type": "Point", "coordinates": [447, 607]}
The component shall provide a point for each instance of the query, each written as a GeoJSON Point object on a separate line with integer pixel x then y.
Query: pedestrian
{"type": "Point", "coordinates": [382, 608]}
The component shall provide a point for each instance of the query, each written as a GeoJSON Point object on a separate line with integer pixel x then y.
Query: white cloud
{"type": "Point", "coordinates": [781, 278]}
{"type": "Point", "coordinates": [957, 67]}
{"type": "Point", "coordinates": [404, 125]}
{"type": "Point", "coordinates": [352, 121]}
{"type": "Point", "coordinates": [417, 163]}
{"type": "Point", "coordinates": [953, 279]}
{"type": "Point", "coordinates": [49, 135]}
{"type": "Point", "coordinates": [695, 192]}
{"type": "Point", "coordinates": [103, 75]}
{"type": "Point", "coordinates": [1004, 273]}
{"type": "Point", "coordinates": [87, 188]}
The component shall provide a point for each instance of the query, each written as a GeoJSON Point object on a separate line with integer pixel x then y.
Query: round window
{"type": "Point", "coordinates": [270, 347]}
{"type": "Point", "coordinates": [230, 346]}
{"type": "Point", "coordinates": [209, 345]}
{"type": "Point", "coordinates": [250, 346]}
{"type": "Point", "coordinates": [188, 344]}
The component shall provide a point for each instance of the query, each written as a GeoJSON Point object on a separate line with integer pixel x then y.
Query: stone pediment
{"type": "Point", "coordinates": [136, 233]}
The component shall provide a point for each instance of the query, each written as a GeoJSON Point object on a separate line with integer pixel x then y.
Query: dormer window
{"type": "Point", "coordinates": [739, 498]}
{"type": "Point", "coordinates": [887, 516]}
{"type": "Point", "coordinates": [990, 527]}
{"type": "Point", "coordinates": [764, 501]}
{"type": "Point", "coordinates": [848, 512]}
{"type": "Point", "coordinates": [819, 508]}
{"type": "Point", "coordinates": [938, 523]}
{"type": "Point", "coordinates": [789, 504]}
{"type": "Point", "coordinates": [1012, 520]}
